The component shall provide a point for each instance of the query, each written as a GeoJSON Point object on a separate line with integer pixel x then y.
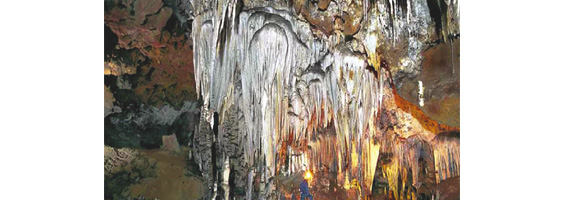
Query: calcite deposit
{"type": "Point", "coordinates": [363, 94]}
{"type": "Point", "coordinates": [292, 76]}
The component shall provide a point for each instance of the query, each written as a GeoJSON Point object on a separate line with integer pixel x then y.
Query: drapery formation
{"type": "Point", "coordinates": [291, 86]}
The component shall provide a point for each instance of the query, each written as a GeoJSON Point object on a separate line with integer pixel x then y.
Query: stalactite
{"type": "Point", "coordinates": [284, 92]}
{"type": "Point", "coordinates": [446, 157]}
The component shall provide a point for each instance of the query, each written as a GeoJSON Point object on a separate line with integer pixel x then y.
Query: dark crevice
{"type": "Point", "coordinates": [449, 134]}
{"type": "Point", "coordinates": [349, 38]}
{"type": "Point", "coordinates": [110, 41]}
{"type": "Point", "coordinates": [109, 5]}
{"type": "Point", "coordinates": [110, 81]}
{"type": "Point", "coordinates": [372, 70]}
{"type": "Point", "coordinates": [126, 99]}
{"type": "Point", "coordinates": [145, 21]}
{"type": "Point", "coordinates": [231, 181]}
{"type": "Point", "coordinates": [171, 25]}
{"type": "Point", "coordinates": [148, 75]}
{"type": "Point", "coordinates": [403, 5]}
{"type": "Point", "coordinates": [436, 11]}
{"type": "Point", "coordinates": [315, 69]}
{"type": "Point", "coordinates": [215, 148]}
{"type": "Point", "coordinates": [223, 37]}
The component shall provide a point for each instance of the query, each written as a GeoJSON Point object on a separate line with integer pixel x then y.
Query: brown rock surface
{"type": "Point", "coordinates": [153, 47]}
{"type": "Point", "coordinates": [171, 144]}
{"type": "Point", "coordinates": [440, 78]}
{"type": "Point", "coordinates": [170, 181]}
{"type": "Point", "coordinates": [449, 189]}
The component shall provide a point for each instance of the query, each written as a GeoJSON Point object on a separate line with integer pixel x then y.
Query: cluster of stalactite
{"type": "Point", "coordinates": [283, 93]}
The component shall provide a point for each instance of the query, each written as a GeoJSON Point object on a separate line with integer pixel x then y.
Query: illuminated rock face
{"type": "Point", "coordinates": [286, 88]}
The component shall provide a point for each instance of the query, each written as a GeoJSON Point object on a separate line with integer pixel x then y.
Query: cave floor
{"type": "Point", "coordinates": [322, 186]}
{"type": "Point", "coordinates": [172, 180]}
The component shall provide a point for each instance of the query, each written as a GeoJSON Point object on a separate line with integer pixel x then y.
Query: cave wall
{"type": "Point", "coordinates": [368, 90]}
{"type": "Point", "coordinates": [148, 73]}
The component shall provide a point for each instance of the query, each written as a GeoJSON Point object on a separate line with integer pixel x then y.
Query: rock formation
{"type": "Point", "coordinates": [289, 71]}
{"type": "Point", "coordinates": [365, 90]}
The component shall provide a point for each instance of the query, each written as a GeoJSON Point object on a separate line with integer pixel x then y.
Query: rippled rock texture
{"type": "Point", "coordinates": [365, 94]}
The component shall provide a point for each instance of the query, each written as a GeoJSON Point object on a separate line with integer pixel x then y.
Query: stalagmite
{"type": "Point", "coordinates": [290, 99]}
{"type": "Point", "coordinates": [446, 157]}
{"type": "Point", "coordinates": [362, 94]}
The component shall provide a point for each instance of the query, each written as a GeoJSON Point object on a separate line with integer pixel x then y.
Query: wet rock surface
{"type": "Point", "coordinates": [150, 174]}
{"type": "Point", "coordinates": [365, 94]}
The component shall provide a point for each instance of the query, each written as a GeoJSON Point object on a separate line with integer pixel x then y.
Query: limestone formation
{"type": "Point", "coordinates": [365, 92]}
{"type": "Point", "coordinates": [291, 77]}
